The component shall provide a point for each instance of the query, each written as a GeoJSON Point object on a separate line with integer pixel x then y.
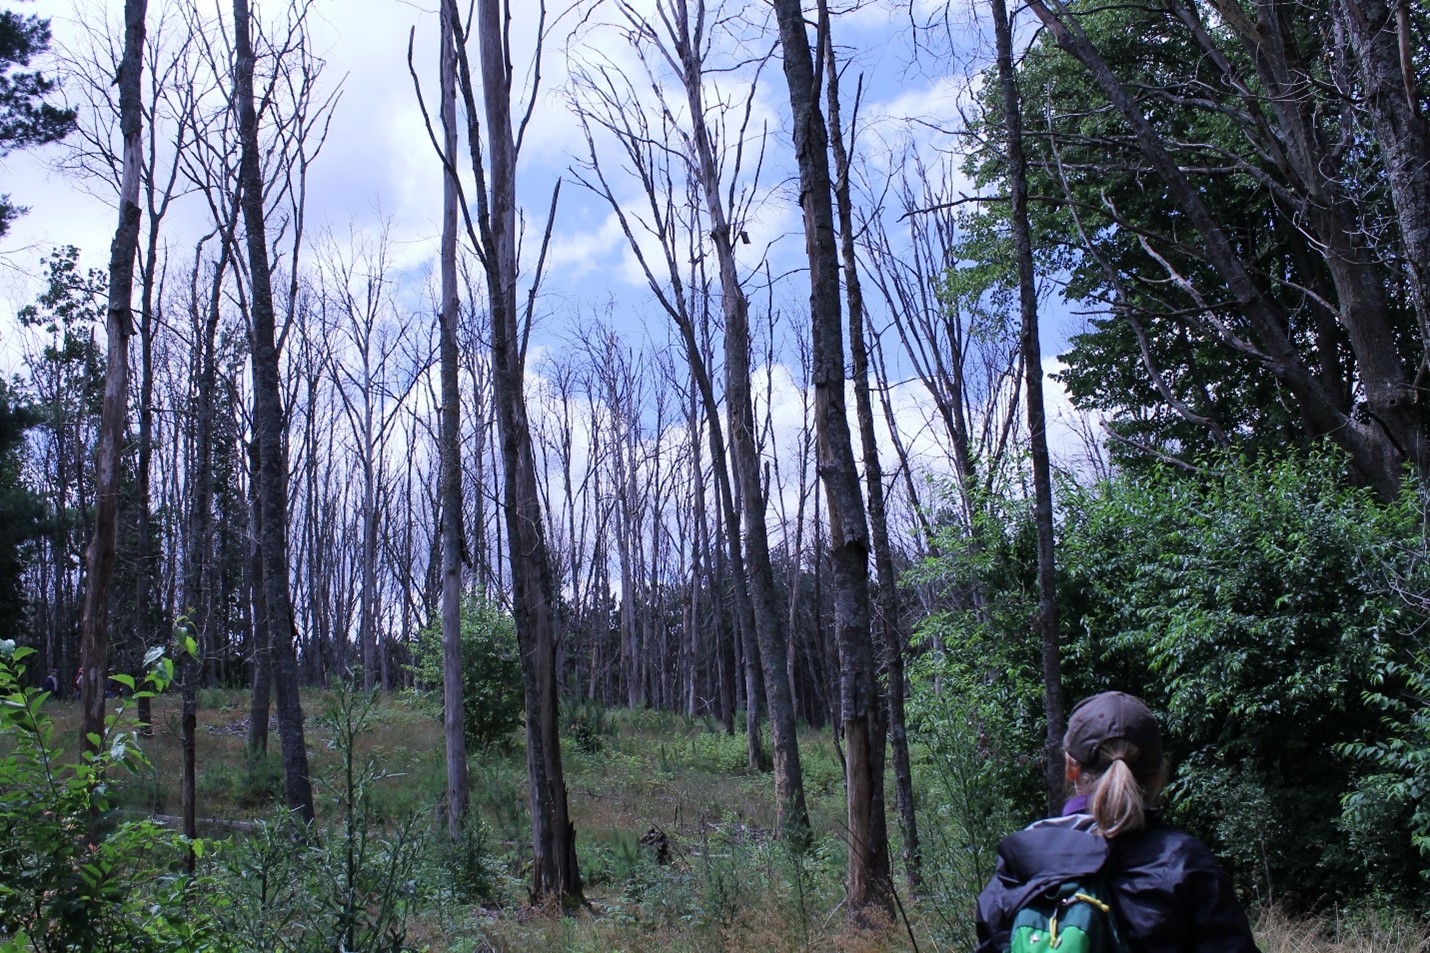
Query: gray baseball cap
{"type": "Point", "coordinates": [1108, 717]}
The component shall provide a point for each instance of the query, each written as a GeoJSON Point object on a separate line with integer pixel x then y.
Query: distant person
{"type": "Point", "coordinates": [1166, 891]}
{"type": "Point", "coordinates": [51, 683]}
{"type": "Point", "coordinates": [78, 680]}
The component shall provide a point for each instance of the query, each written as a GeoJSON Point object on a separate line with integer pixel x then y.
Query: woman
{"type": "Point", "coordinates": [1167, 892]}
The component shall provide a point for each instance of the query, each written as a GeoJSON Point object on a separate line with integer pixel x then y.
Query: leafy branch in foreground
{"type": "Point", "coordinates": [77, 875]}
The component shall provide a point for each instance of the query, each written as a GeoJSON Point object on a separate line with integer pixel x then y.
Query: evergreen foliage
{"type": "Point", "coordinates": [21, 511]}
{"type": "Point", "coordinates": [26, 118]}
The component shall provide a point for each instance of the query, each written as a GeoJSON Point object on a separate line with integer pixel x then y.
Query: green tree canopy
{"type": "Point", "coordinates": [1274, 134]}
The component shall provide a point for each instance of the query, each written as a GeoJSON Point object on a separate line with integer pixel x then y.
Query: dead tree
{"type": "Point", "coordinates": [869, 889]}
{"type": "Point", "coordinates": [889, 617]}
{"type": "Point", "coordinates": [99, 557]}
{"type": "Point", "coordinates": [494, 238]}
{"type": "Point", "coordinates": [1047, 618]}
{"type": "Point", "coordinates": [268, 434]}
{"type": "Point", "coordinates": [450, 444]}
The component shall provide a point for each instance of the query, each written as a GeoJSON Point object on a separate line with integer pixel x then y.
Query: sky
{"type": "Point", "coordinates": [377, 167]}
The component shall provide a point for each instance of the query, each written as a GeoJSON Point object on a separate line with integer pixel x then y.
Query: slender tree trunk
{"type": "Point", "coordinates": [773, 648]}
{"type": "Point", "coordinates": [869, 889]}
{"type": "Point", "coordinates": [142, 636]}
{"type": "Point", "coordinates": [554, 869]}
{"type": "Point", "coordinates": [261, 697]}
{"type": "Point", "coordinates": [197, 576]}
{"type": "Point", "coordinates": [451, 436]}
{"type": "Point", "coordinates": [268, 433]}
{"type": "Point", "coordinates": [99, 558]}
{"type": "Point", "coordinates": [1047, 620]}
{"type": "Point", "coordinates": [889, 624]}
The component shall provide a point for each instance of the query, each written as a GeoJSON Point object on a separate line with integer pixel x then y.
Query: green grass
{"type": "Point", "coordinates": [730, 886]}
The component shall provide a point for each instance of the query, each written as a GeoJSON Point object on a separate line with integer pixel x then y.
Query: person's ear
{"type": "Point", "coordinates": [1071, 768]}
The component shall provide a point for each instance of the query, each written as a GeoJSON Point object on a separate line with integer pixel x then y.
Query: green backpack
{"type": "Point", "coordinates": [1074, 917]}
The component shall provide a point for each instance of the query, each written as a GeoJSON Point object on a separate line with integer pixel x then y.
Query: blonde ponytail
{"type": "Point", "coordinates": [1121, 789]}
{"type": "Point", "coordinates": [1117, 803]}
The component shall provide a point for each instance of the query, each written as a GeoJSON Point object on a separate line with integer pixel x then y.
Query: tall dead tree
{"type": "Point", "coordinates": [869, 889]}
{"type": "Point", "coordinates": [451, 447]}
{"type": "Point", "coordinates": [1047, 618]}
{"type": "Point", "coordinates": [167, 93]}
{"type": "Point", "coordinates": [687, 41]}
{"type": "Point", "coordinates": [99, 557]}
{"type": "Point", "coordinates": [889, 617]}
{"type": "Point", "coordinates": [681, 43]}
{"type": "Point", "coordinates": [268, 424]}
{"type": "Point", "coordinates": [494, 238]}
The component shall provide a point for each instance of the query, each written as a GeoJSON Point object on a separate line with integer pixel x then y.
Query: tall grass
{"type": "Point", "coordinates": [727, 885]}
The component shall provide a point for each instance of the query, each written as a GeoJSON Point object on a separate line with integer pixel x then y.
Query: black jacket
{"type": "Point", "coordinates": [1168, 892]}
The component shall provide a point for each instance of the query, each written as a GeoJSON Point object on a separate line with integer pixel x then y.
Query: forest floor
{"type": "Point", "coordinates": [708, 877]}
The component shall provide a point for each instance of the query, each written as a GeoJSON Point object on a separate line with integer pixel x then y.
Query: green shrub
{"type": "Point", "coordinates": [351, 886]}
{"type": "Point", "coordinates": [1253, 609]}
{"type": "Point", "coordinates": [1395, 797]}
{"type": "Point", "coordinates": [587, 724]}
{"type": "Point", "coordinates": [1264, 608]}
{"type": "Point", "coordinates": [492, 700]}
{"type": "Point", "coordinates": [76, 875]}
{"type": "Point", "coordinates": [470, 869]}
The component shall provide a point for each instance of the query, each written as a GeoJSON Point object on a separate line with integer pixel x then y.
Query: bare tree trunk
{"type": "Point", "coordinates": [261, 696]}
{"type": "Point", "coordinates": [869, 889]}
{"type": "Point", "coordinates": [451, 436]}
{"type": "Point", "coordinates": [554, 869]}
{"type": "Point", "coordinates": [197, 575]}
{"type": "Point", "coordinates": [792, 814]}
{"type": "Point", "coordinates": [143, 636]}
{"type": "Point", "coordinates": [889, 624]}
{"type": "Point", "coordinates": [99, 558]}
{"type": "Point", "coordinates": [1047, 621]}
{"type": "Point", "coordinates": [268, 433]}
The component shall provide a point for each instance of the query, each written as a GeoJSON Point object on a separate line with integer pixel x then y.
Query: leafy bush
{"type": "Point", "coordinates": [975, 711]}
{"type": "Point", "coordinates": [1396, 796]}
{"type": "Point", "coordinates": [492, 700]}
{"type": "Point", "coordinates": [77, 876]}
{"type": "Point", "coordinates": [1265, 609]}
{"type": "Point", "coordinates": [1251, 608]}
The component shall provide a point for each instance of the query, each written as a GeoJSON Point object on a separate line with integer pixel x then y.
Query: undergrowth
{"type": "Point", "coordinates": [674, 838]}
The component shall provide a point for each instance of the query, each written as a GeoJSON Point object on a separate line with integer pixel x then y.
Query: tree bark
{"type": "Point", "coordinates": [889, 624]}
{"type": "Point", "coordinates": [1379, 35]}
{"type": "Point", "coordinates": [451, 437]}
{"type": "Point", "coordinates": [1047, 618]}
{"type": "Point", "coordinates": [268, 424]}
{"type": "Point", "coordinates": [1391, 433]}
{"type": "Point", "coordinates": [99, 557]}
{"type": "Point", "coordinates": [869, 889]}
{"type": "Point", "coordinates": [554, 869]}
{"type": "Point", "coordinates": [791, 811]}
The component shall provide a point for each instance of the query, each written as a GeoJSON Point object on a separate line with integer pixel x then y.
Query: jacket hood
{"type": "Point", "coordinates": [1041, 857]}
